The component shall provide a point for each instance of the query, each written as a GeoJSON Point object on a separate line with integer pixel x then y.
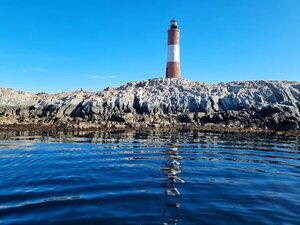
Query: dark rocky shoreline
{"type": "Point", "coordinates": [250, 106]}
{"type": "Point", "coordinates": [33, 129]}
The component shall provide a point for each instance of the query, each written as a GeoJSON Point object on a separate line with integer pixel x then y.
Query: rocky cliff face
{"type": "Point", "coordinates": [161, 102]}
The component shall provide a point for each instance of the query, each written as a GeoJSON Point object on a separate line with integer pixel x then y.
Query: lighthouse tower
{"type": "Point", "coordinates": [173, 61]}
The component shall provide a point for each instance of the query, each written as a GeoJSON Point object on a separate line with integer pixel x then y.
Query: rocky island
{"type": "Point", "coordinates": [154, 103]}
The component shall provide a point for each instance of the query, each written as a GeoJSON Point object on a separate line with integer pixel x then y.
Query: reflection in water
{"type": "Point", "coordinates": [171, 168]}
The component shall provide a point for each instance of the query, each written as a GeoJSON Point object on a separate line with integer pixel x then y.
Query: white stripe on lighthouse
{"type": "Point", "coordinates": [173, 53]}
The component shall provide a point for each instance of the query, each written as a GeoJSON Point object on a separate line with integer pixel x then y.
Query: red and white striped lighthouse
{"type": "Point", "coordinates": [173, 61]}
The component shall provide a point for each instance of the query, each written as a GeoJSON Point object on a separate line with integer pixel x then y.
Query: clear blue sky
{"type": "Point", "coordinates": [64, 45]}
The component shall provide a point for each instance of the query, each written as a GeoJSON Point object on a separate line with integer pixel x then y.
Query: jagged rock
{"type": "Point", "coordinates": [186, 118]}
{"type": "Point", "coordinates": [278, 123]}
{"type": "Point", "coordinates": [124, 118]}
{"type": "Point", "coordinates": [272, 104]}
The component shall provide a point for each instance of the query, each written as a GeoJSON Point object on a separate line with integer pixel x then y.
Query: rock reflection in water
{"type": "Point", "coordinates": [170, 169]}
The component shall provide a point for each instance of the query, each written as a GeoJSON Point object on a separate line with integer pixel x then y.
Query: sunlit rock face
{"type": "Point", "coordinates": [161, 102]}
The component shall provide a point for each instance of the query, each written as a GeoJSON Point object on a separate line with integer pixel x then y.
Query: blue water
{"type": "Point", "coordinates": [149, 178]}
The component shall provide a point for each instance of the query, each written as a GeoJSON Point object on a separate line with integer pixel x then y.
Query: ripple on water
{"type": "Point", "coordinates": [150, 178]}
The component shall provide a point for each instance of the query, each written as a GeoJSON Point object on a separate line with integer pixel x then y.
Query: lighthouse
{"type": "Point", "coordinates": [173, 60]}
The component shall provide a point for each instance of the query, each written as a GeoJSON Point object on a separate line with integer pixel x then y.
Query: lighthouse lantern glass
{"type": "Point", "coordinates": [174, 23]}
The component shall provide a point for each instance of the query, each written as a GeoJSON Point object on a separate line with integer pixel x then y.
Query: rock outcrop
{"type": "Point", "coordinates": [160, 103]}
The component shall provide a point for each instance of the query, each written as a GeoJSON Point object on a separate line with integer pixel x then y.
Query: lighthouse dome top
{"type": "Point", "coordinates": [174, 23]}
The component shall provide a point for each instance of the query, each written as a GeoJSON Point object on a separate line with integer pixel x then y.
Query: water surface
{"type": "Point", "coordinates": [149, 178]}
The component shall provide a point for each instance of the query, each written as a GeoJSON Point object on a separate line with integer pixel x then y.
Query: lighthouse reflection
{"type": "Point", "coordinates": [171, 169]}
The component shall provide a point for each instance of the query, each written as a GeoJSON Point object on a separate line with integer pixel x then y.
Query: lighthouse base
{"type": "Point", "coordinates": [173, 70]}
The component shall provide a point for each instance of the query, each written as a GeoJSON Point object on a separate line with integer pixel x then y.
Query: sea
{"type": "Point", "coordinates": [149, 177]}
